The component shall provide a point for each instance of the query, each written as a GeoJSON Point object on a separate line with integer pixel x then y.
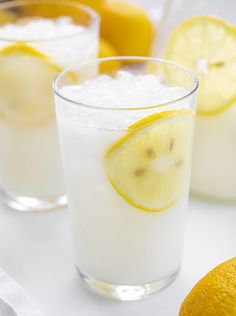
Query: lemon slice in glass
{"type": "Point", "coordinates": [208, 46]}
{"type": "Point", "coordinates": [26, 86]}
{"type": "Point", "coordinates": [149, 167]}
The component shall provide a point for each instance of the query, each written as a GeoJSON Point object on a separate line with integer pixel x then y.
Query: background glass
{"type": "Point", "coordinates": [30, 165]}
{"type": "Point", "coordinates": [214, 153]}
{"type": "Point", "coordinates": [121, 251]}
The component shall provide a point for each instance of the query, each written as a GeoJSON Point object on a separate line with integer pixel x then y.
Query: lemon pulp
{"type": "Point", "coordinates": [149, 167]}
{"type": "Point", "coordinates": [208, 46]}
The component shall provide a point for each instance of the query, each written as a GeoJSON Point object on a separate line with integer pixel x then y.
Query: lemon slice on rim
{"type": "Point", "coordinates": [26, 86]}
{"type": "Point", "coordinates": [149, 167]}
{"type": "Point", "coordinates": [207, 45]}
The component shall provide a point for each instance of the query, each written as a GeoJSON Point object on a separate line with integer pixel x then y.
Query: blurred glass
{"type": "Point", "coordinates": [31, 175]}
{"type": "Point", "coordinates": [198, 35]}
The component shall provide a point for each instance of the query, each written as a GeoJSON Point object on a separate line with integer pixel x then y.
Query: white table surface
{"type": "Point", "coordinates": [35, 249]}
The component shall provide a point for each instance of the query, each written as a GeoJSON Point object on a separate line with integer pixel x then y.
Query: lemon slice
{"type": "Point", "coordinates": [208, 46]}
{"type": "Point", "coordinates": [26, 86]}
{"type": "Point", "coordinates": [149, 167]}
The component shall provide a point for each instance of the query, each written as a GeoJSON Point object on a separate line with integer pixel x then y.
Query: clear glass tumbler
{"type": "Point", "coordinates": [127, 169]}
{"type": "Point", "coordinates": [202, 36]}
{"type": "Point", "coordinates": [38, 39]}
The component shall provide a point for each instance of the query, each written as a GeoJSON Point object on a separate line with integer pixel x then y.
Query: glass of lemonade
{"type": "Point", "coordinates": [125, 130]}
{"type": "Point", "coordinates": [202, 36]}
{"type": "Point", "coordinates": [38, 39]}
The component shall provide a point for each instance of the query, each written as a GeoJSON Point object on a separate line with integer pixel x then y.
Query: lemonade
{"type": "Point", "coordinates": [33, 50]}
{"type": "Point", "coordinates": [202, 36]}
{"type": "Point", "coordinates": [127, 165]}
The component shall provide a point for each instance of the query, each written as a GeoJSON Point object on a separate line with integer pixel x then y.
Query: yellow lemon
{"type": "Point", "coordinates": [208, 46]}
{"type": "Point", "coordinates": [94, 4]}
{"type": "Point", "coordinates": [7, 17]}
{"type": "Point", "coordinates": [107, 50]}
{"type": "Point", "coordinates": [55, 10]}
{"type": "Point", "coordinates": [149, 167]}
{"type": "Point", "coordinates": [127, 27]}
{"type": "Point", "coordinates": [214, 294]}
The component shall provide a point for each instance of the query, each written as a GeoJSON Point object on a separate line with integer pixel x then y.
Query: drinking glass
{"type": "Point", "coordinates": [127, 176]}
{"type": "Point", "coordinates": [202, 36]}
{"type": "Point", "coordinates": [31, 176]}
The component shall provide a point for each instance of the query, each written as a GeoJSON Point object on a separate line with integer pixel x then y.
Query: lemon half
{"type": "Point", "coordinates": [208, 46]}
{"type": "Point", "coordinates": [149, 167]}
{"type": "Point", "coordinates": [26, 86]}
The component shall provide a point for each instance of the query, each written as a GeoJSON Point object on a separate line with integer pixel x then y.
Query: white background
{"type": "Point", "coordinates": [35, 249]}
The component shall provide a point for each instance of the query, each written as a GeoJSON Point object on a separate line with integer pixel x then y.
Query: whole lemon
{"type": "Point", "coordinates": [94, 4]}
{"type": "Point", "coordinates": [214, 294]}
{"type": "Point", "coordinates": [127, 27]}
{"type": "Point", "coordinates": [51, 10]}
{"type": "Point", "coordinates": [107, 50]}
{"type": "Point", "coordinates": [7, 17]}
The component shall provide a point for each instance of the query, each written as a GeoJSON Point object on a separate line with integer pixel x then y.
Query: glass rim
{"type": "Point", "coordinates": [138, 58]}
{"type": "Point", "coordinates": [95, 18]}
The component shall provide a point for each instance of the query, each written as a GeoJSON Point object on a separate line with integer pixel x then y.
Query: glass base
{"type": "Point", "coordinates": [125, 292]}
{"type": "Point", "coordinates": [30, 204]}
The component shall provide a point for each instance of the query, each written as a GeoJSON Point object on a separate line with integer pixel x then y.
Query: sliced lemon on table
{"type": "Point", "coordinates": [149, 167]}
{"type": "Point", "coordinates": [26, 86]}
{"type": "Point", "coordinates": [208, 46]}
